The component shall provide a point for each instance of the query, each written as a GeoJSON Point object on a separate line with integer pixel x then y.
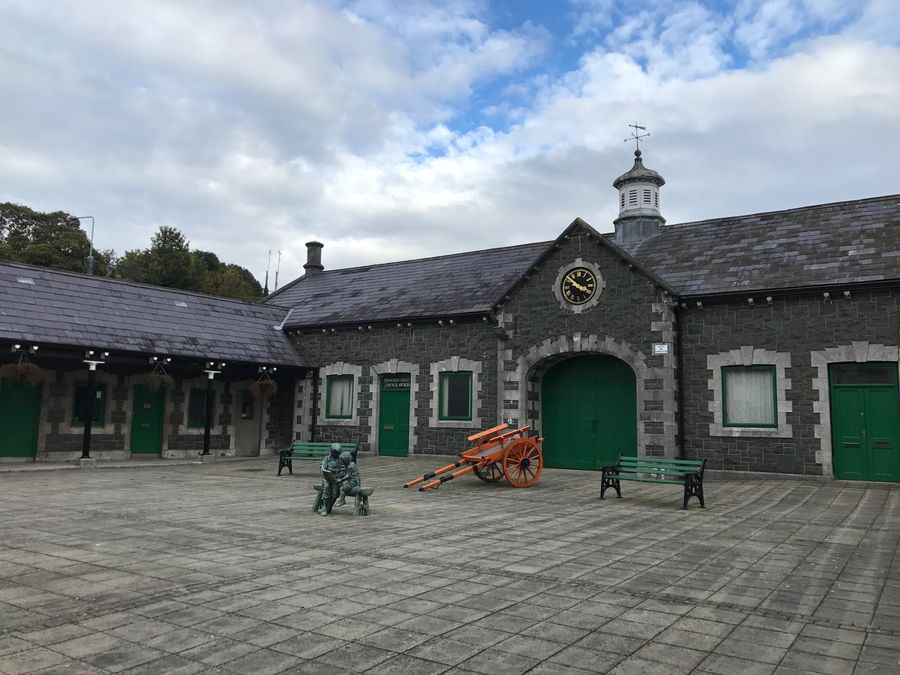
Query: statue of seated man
{"type": "Point", "coordinates": [350, 483]}
{"type": "Point", "coordinates": [332, 474]}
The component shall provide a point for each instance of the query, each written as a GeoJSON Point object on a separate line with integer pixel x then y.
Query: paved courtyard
{"type": "Point", "coordinates": [224, 568]}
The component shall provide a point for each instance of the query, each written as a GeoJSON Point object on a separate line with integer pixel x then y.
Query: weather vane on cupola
{"type": "Point", "coordinates": [636, 136]}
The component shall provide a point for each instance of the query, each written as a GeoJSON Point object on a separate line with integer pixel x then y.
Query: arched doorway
{"type": "Point", "coordinates": [588, 412]}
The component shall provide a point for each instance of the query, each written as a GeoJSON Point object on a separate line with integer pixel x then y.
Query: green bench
{"type": "Point", "coordinates": [308, 450]}
{"type": "Point", "coordinates": [686, 472]}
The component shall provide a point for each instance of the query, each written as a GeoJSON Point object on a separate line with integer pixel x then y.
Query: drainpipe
{"type": "Point", "coordinates": [315, 401]}
{"type": "Point", "coordinates": [679, 340]}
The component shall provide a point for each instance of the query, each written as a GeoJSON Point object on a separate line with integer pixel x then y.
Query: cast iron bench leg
{"type": "Point", "coordinates": [608, 480]}
{"type": "Point", "coordinates": [693, 487]}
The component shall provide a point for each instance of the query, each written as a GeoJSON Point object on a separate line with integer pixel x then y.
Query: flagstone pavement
{"type": "Point", "coordinates": [223, 567]}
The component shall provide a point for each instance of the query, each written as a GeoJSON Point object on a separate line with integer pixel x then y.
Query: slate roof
{"type": "Point", "coordinates": [444, 286]}
{"type": "Point", "coordinates": [827, 244]}
{"type": "Point", "coordinates": [63, 308]}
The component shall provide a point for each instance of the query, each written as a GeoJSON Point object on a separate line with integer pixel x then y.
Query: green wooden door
{"type": "Point", "coordinates": [393, 415]}
{"type": "Point", "coordinates": [865, 422]}
{"type": "Point", "coordinates": [20, 409]}
{"type": "Point", "coordinates": [147, 420]}
{"type": "Point", "coordinates": [589, 412]}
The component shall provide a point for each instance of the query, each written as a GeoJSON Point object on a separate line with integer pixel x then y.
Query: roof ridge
{"type": "Point", "coordinates": [138, 284]}
{"type": "Point", "coordinates": [809, 207]}
{"type": "Point", "coordinates": [436, 257]}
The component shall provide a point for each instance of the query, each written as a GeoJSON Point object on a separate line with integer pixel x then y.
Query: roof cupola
{"type": "Point", "coordinates": [639, 214]}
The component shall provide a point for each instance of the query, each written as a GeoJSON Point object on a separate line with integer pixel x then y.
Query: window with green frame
{"type": "Point", "coordinates": [339, 397]}
{"type": "Point", "coordinates": [197, 408]}
{"type": "Point", "coordinates": [455, 395]}
{"type": "Point", "coordinates": [81, 392]}
{"type": "Point", "coordinates": [750, 396]}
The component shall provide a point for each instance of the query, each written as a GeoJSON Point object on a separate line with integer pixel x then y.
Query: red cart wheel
{"type": "Point", "coordinates": [523, 462]}
{"type": "Point", "coordinates": [491, 473]}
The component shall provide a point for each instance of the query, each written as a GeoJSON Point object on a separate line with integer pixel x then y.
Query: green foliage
{"type": "Point", "coordinates": [56, 240]}
{"type": "Point", "coordinates": [53, 240]}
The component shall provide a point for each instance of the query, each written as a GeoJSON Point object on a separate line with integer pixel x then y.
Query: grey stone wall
{"type": "Point", "coordinates": [59, 439]}
{"type": "Point", "coordinates": [630, 315]}
{"type": "Point", "coordinates": [420, 344]}
{"type": "Point", "coordinates": [813, 332]}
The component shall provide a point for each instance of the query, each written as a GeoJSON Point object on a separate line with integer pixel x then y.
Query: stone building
{"type": "Point", "coordinates": [766, 342]}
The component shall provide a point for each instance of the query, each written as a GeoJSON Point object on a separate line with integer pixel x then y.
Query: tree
{"type": "Point", "coordinates": [47, 239]}
{"type": "Point", "coordinates": [168, 262]}
{"type": "Point", "coordinates": [56, 240]}
{"type": "Point", "coordinates": [234, 281]}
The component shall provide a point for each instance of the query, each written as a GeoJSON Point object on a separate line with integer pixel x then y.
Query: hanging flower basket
{"type": "Point", "coordinates": [23, 371]}
{"type": "Point", "coordinates": [265, 386]}
{"type": "Point", "coordinates": [156, 381]}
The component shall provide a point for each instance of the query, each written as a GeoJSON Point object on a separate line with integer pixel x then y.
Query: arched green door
{"type": "Point", "coordinates": [20, 409]}
{"type": "Point", "coordinates": [589, 412]}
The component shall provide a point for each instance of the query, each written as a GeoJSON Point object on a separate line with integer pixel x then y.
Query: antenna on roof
{"type": "Point", "coordinates": [268, 265]}
{"type": "Point", "coordinates": [277, 267]}
{"type": "Point", "coordinates": [636, 135]}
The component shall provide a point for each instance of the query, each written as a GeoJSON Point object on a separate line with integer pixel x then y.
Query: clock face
{"type": "Point", "coordinates": [579, 285]}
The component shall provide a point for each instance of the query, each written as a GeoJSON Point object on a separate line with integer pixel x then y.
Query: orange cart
{"type": "Point", "coordinates": [496, 453]}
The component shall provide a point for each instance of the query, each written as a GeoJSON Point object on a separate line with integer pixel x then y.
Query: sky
{"type": "Point", "coordinates": [397, 129]}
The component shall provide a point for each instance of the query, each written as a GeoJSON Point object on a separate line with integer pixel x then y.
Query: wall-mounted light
{"type": "Point", "coordinates": [699, 304]}
{"type": "Point", "coordinates": [827, 296]}
{"type": "Point", "coordinates": [749, 301]}
{"type": "Point", "coordinates": [34, 349]}
{"type": "Point", "coordinates": [769, 299]}
{"type": "Point", "coordinates": [846, 294]}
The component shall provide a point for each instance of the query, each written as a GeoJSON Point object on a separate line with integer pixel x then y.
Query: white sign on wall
{"type": "Point", "coordinates": [660, 348]}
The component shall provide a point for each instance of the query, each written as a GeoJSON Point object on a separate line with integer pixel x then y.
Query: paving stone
{"type": "Point", "coordinates": [817, 663]}
{"type": "Point", "coordinates": [635, 665]}
{"type": "Point", "coordinates": [29, 660]}
{"type": "Point", "coordinates": [88, 645]}
{"type": "Point", "coordinates": [355, 657]}
{"type": "Point", "coordinates": [395, 639]}
{"type": "Point", "coordinates": [123, 657]}
{"type": "Point", "coordinates": [729, 665]}
{"type": "Point", "coordinates": [50, 636]}
{"type": "Point", "coordinates": [262, 662]}
{"type": "Point", "coordinates": [447, 651]}
{"type": "Point", "coordinates": [403, 664]}
{"type": "Point", "coordinates": [548, 630]}
{"type": "Point", "coordinates": [493, 661]}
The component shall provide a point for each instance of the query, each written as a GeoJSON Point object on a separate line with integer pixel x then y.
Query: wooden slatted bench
{"type": "Point", "coordinates": [686, 472]}
{"type": "Point", "coordinates": [307, 450]}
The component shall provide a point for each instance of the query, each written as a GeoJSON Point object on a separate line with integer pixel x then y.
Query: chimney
{"type": "Point", "coordinates": [313, 258]}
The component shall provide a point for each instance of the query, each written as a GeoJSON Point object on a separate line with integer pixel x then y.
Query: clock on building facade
{"type": "Point", "coordinates": [578, 285]}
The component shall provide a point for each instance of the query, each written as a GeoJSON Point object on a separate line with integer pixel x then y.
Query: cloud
{"type": "Point", "coordinates": [265, 125]}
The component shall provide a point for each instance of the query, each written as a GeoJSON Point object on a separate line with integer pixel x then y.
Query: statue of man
{"type": "Point", "coordinates": [332, 473]}
{"type": "Point", "coordinates": [350, 482]}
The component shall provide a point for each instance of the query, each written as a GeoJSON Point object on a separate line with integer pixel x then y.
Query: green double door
{"type": "Point", "coordinates": [589, 412]}
{"type": "Point", "coordinates": [147, 420]}
{"type": "Point", "coordinates": [865, 421]}
{"type": "Point", "coordinates": [20, 409]}
{"type": "Point", "coordinates": [393, 415]}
